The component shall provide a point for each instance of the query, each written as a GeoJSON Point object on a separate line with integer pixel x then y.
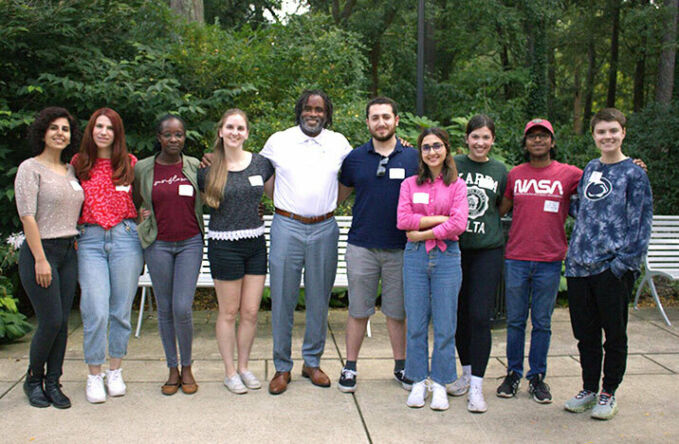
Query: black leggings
{"type": "Point", "coordinates": [52, 305]}
{"type": "Point", "coordinates": [481, 272]}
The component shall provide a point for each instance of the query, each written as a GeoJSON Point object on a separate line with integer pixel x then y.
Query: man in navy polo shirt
{"type": "Point", "coordinates": [375, 246]}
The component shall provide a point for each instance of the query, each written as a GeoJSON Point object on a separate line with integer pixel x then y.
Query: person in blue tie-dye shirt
{"type": "Point", "coordinates": [614, 212]}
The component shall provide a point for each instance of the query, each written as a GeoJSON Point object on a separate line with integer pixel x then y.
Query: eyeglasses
{"type": "Point", "coordinates": [535, 136]}
{"type": "Point", "coordinates": [382, 167]}
{"type": "Point", "coordinates": [434, 146]}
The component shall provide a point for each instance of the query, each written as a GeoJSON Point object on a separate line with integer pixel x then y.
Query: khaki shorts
{"type": "Point", "coordinates": [365, 267]}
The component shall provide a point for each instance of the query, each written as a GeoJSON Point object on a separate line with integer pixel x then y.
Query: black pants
{"type": "Point", "coordinates": [595, 303]}
{"type": "Point", "coordinates": [481, 272]}
{"type": "Point", "coordinates": [52, 305]}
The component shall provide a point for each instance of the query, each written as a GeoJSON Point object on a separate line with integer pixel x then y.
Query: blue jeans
{"type": "Point", "coordinates": [431, 282]}
{"type": "Point", "coordinates": [109, 264]}
{"type": "Point", "coordinates": [534, 284]}
{"type": "Point", "coordinates": [295, 245]}
{"type": "Point", "coordinates": [174, 268]}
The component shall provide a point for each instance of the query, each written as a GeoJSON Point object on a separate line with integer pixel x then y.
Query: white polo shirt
{"type": "Point", "coordinates": [306, 169]}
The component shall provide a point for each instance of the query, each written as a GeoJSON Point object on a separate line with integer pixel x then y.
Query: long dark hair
{"type": "Point", "coordinates": [449, 170]}
{"type": "Point", "coordinates": [37, 130]}
{"type": "Point", "coordinates": [123, 173]}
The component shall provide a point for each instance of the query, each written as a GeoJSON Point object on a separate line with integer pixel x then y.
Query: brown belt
{"type": "Point", "coordinates": [303, 219]}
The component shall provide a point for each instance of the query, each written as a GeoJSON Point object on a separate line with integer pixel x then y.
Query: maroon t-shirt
{"type": "Point", "coordinates": [174, 200]}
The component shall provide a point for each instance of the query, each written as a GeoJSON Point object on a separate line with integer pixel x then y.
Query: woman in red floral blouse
{"type": "Point", "coordinates": [109, 253]}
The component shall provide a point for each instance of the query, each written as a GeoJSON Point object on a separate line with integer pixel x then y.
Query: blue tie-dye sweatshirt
{"type": "Point", "coordinates": [614, 213]}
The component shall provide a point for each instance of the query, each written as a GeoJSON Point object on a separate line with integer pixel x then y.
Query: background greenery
{"type": "Point", "coordinates": [511, 59]}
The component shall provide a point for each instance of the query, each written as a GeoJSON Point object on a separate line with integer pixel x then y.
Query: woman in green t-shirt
{"type": "Point", "coordinates": [482, 253]}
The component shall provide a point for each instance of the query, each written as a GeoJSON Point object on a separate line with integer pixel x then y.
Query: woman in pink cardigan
{"type": "Point", "coordinates": [432, 209]}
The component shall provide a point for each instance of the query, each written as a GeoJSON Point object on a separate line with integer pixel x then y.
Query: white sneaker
{"type": "Point", "coordinates": [235, 385]}
{"type": "Point", "coordinates": [95, 392]}
{"type": "Point", "coordinates": [250, 380]}
{"type": "Point", "coordinates": [418, 394]}
{"type": "Point", "coordinates": [439, 398]}
{"type": "Point", "coordinates": [114, 382]}
{"type": "Point", "coordinates": [459, 387]}
{"type": "Point", "coordinates": [475, 401]}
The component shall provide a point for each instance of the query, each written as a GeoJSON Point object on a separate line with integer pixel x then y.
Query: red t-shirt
{"type": "Point", "coordinates": [174, 200]}
{"type": "Point", "coordinates": [541, 198]}
{"type": "Point", "coordinates": [106, 204]}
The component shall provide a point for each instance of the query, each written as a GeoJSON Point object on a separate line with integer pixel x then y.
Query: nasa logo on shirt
{"type": "Point", "coordinates": [478, 202]}
{"type": "Point", "coordinates": [598, 187]}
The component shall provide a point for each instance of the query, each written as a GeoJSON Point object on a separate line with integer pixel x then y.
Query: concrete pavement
{"type": "Point", "coordinates": [648, 397]}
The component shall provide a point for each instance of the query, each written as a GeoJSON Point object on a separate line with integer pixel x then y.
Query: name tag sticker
{"type": "Point", "coordinates": [397, 173]}
{"type": "Point", "coordinates": [123, 188]}
{"type": "Point", "coordinates": [256, 181]}
{"type": "Point", "coordinates": [75, 185]}
{"type": "Point", "coordinates": [551, 206]}
{"type": "Point", "coordinates": [486, 183]}
{"type": "Point", "coordinates": [421, 198]}
{"type": "Point", "coordinates": [185, 190]}
{"type": "Point", "coordinates": [595, 177]}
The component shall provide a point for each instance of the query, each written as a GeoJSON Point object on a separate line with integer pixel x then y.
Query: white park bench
{"type": "Point", "coordinates": [205, 278]}
{"type": "Point", "coordinates": [662, 258]}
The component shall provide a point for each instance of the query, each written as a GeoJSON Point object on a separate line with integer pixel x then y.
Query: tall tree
{"type": "Point", "coordinates": [665, 83]}
{"type": "Point", "coordinates": [535, 25]}
{"type": "Point", "coordinates": [640, 64]}
{"type": "Point", "coordinates": [191, 9]}
{"type": "Point", "coordinates": [614, 13]}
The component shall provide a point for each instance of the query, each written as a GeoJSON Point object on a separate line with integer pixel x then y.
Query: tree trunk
{"type": "Point", "coordinates": [589, 82]}
{"type": "Point", "coordinates": [640, 67]}
{"type": "Point", "coordinates": [191, 9]}
{"type": "Point", "coordinates": [536, 60]}
{"type": "Point", "coordinates": [577, 101]}
{"type": "Point", "coordinates": [665, 83]}
{"type": "Point", "coordinates": [613, 67]}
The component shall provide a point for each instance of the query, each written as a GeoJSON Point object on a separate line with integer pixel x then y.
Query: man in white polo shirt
{"type": "Point", "coordinates": [304, 233]}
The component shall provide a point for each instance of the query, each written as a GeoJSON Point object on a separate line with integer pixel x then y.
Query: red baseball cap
{"type": "Point", "coordinates": [544, 123]}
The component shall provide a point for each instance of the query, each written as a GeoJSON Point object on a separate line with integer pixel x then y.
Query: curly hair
{"type": "Point", "coordinates": [43, 119]}
{"type": "Point", "coordinates": [304, 98]}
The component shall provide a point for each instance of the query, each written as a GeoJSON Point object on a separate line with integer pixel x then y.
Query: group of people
{"type": "Point", "coordinates": [426, 228]}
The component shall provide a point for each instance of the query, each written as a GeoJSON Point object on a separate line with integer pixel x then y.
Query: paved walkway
{"type": "Point", "coordinates": [648, 397]}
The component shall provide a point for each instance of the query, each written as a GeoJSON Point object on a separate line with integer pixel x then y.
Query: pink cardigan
{"type": "Point", "coordinates": [433, 199]}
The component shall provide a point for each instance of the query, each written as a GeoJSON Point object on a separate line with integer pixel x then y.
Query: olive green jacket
{"type": "Point", "coordinates": [143, 186]}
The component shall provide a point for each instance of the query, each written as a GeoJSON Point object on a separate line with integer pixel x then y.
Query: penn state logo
{"type": "Point", "coordinates": [478, 202]}
{"type": "Point", "coordinates": [597, 190]}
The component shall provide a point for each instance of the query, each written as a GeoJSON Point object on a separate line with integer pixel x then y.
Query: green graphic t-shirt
{"type": "Point", "coordinates": [486, 182]}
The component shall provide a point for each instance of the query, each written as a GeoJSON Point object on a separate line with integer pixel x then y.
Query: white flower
{"type": "Point", "coordinates": [16, 239]}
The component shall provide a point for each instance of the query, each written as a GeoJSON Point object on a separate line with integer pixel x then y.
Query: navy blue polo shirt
{"type": "Point", "coordinates": [374, 212]}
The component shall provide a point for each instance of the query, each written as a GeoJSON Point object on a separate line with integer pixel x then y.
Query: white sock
{"type": "Point", "coordinates": [476, 382]}
{"type": "Point", "coordinates": [466, 371]}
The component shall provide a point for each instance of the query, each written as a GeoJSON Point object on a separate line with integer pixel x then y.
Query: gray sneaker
{"type": "Point", "coordinates": [606, 408]}
{"type": "Point", "coordinates": [584, 400]}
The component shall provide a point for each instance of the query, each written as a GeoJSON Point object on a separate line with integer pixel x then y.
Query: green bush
{"type": "Point", "coordinates": [13, 325]}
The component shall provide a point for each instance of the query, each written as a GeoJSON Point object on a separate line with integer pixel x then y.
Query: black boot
{"type": "Point", "coordinates": [34, 391]}
{"type": "Point", "coordinates": [54, 394]}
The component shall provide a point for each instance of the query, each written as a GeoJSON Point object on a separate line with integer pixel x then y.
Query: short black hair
{"type": "Point", "coordinates": [381, 101]}
{"type": "Point", "coordinates": [159, 127]}
{"type": "Point", "coordinates": [299, 106]}
{"type": "Point", "coordinates": [480, 121]}
{"type": "Point", "coordinates": [37, 130]}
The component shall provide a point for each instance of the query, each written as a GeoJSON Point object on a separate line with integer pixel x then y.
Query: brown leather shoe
{"type": "Point", "coordinates": [279, 383]}
{"type": "Point", "coordinates": [316, 375]}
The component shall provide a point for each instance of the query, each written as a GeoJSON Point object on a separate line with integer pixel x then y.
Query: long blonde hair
{"type": "Point", "coordinates": [216, 177]}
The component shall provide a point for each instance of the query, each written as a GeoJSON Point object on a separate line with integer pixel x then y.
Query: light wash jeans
{"type": "Point", "coordinates": [109, 264]}
{"type": "Point", "coordinates": [295, 245]}
{"type": "Point", "coordinates": [432, 284]}
{"type": "Point", "coordinates": [174, 268]}
{"type": "Point", "coordinates": [530, 284]}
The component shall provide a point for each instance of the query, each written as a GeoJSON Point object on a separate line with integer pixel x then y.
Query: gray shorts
{"type": "Point", "coordinates": [365, 266]}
